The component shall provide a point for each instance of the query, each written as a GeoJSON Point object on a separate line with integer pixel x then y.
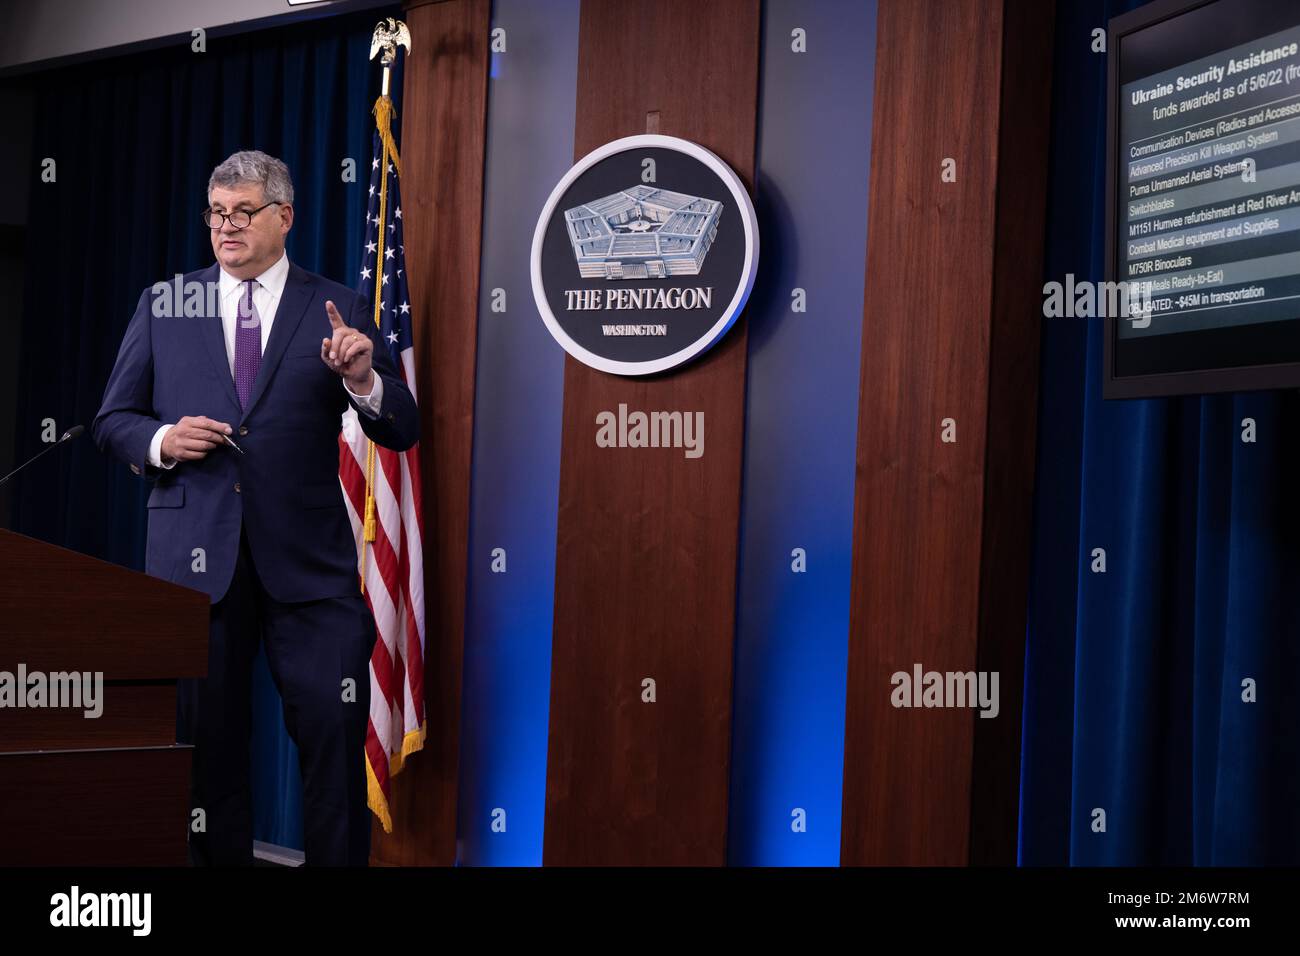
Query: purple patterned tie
{"type": "Point", "coordinates": [248, 343]}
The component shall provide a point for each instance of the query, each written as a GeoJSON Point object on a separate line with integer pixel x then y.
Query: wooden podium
{"type": "Point", "coordinates": [112, 789]}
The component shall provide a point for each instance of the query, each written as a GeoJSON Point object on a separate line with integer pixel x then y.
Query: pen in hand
{"type": "Point", "coordinates": [229, 442]}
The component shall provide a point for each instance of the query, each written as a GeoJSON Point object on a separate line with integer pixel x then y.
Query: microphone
{"type": "Point", "coordinates": [70, 434]}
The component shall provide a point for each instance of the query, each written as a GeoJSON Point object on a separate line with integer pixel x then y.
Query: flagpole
{"type": "Point", "coordinates": [397, 728]}
{"type": "Point", "coordinates": [388, 35]}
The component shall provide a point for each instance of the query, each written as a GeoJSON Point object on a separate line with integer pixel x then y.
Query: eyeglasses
{"type": "Point", "coordinates": [240, 218]}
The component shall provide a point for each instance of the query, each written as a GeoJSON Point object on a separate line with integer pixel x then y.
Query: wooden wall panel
{"type": "Point", "coordinates": [1011, 428]}
{"type": "Point", "coordinates": [647, 539]}
{"type": "Point", "coordinates": [444, 130]}
{"type": "Point", "coordinates": [940, 539]}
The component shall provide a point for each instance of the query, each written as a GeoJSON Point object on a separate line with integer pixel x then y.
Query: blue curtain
{"type": "Point", "coordinates": [132, 141]}
{"type": "Point", "coordinates": [1134, 676]}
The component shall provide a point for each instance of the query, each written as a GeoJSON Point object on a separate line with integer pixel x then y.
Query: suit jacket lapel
{"type": "Point", "coordinates": [295, 298]}
{"type": "Point", "coordinates": [214, 337]}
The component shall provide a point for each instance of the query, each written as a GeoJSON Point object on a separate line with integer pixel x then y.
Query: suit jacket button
{"type": "Point", "coordinates": [243, 429]}
{"type": "Point", "coordinates": [390, 416]}
{"type": "Point", "coordinates": [236, 487]}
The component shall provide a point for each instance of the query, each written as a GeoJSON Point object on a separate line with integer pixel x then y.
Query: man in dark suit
{"type": "Point", "coordinates": [228, 390]}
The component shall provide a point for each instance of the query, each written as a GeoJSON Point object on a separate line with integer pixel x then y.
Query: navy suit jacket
{"type": "Point", "coordinates": [284, 490]}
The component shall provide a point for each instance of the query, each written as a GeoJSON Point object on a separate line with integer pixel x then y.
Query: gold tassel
{"type": "Point", "coordinates": [370, 517]}
{"type": "Point", "coordinates": [383, 119]}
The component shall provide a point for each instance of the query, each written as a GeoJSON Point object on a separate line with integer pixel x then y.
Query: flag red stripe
{"type": "Point", "coordinates": [354, 487]}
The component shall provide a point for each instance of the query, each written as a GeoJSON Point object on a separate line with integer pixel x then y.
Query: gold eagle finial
{"type": "Point", "coordinates": [388, 36]}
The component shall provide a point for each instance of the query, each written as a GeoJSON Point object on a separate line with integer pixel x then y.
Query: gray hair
{"type": "Point", "coordinates": [254, 166]}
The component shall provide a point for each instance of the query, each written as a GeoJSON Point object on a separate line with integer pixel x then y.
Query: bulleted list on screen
{"type": "Point", "coordinates": [1209, 199]}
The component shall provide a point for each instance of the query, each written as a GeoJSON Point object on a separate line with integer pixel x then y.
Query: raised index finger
{"type": "Point", "coordinates": [336, 320]}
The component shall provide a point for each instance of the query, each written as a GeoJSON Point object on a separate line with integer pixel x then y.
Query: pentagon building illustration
{"type": "Point", "coordinates": [642, 233]}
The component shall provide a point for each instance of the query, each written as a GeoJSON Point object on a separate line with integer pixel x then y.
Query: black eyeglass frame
{"type": "Point", "coordinates": [207, 214]}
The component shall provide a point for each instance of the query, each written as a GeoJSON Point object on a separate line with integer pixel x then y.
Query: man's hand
{"type": "Point", "coordinates": [348, 353]}
{"type": "Point", "coordinates": [192, 438]}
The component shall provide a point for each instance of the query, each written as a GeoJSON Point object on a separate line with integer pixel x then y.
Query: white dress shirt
{"type": "Point", "coordinates": [266, 297]}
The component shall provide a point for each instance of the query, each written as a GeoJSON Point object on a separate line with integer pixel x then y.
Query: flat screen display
{"type": "Point", "coordinates": [1204, 197]}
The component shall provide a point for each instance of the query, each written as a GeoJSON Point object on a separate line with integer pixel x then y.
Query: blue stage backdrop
{"type": "Point", "coordinates": [133, 141]}
{"type": "Point", "coordinates": [1134, 676]}
{"type": "Point", "coordinates": [801, 426]}
{"type": "Point", "coordinates": [792, 627]}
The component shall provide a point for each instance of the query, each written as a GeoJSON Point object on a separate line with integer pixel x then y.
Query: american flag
{"type": "Point", "coordinates": [385, 484]}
